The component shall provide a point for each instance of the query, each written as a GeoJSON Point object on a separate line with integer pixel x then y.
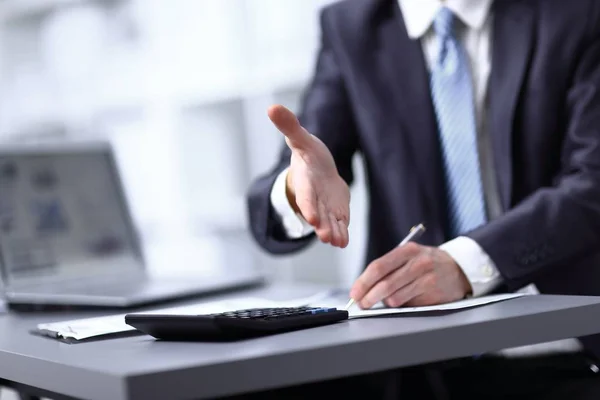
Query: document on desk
{"type": "Point", "coordinates": [380, 310]}
{"type": "Point", "coordinates": [82, 329]}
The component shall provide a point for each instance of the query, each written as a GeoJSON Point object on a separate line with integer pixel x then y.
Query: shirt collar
{"type": "Point", "coordinates": [419, 14]}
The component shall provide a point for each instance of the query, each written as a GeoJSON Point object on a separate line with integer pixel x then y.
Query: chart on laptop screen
{"type": "Point", "coordinates": [61, 214]}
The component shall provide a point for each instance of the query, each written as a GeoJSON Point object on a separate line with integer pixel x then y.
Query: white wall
{"type": "Point", "coordinates": [181, 88]}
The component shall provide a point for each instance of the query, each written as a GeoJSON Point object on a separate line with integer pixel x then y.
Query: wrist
{"type": "Point", "coordinates": [464, 281]}
{"type": "Point", "coordinates": [474, 263]}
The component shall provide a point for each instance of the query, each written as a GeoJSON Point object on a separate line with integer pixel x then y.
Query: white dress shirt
{"type": "Point", "coordinates": [474, 23]}
{"type": "Point", "coordinates": [419, 15]}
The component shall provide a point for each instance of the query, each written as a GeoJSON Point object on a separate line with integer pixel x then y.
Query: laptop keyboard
{"type": "Point", "coordinates": [103, 287]}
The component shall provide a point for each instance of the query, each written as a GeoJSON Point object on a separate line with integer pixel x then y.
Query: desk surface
{"type": "Point", "coordinates": [141, 368]}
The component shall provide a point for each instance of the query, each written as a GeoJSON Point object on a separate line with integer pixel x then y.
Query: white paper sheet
{"type": "Point", "coordinates": [95, 327]}
{"type": "Point", "coordinates": [99, 326]}
{"type": "Point", "coordinates": [355, 312]}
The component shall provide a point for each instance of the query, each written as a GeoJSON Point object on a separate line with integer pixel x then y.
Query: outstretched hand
{"type": "Point", "coordinates": [313, 185]}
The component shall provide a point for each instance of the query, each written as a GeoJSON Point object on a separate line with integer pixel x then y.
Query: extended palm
{"type": "Point", "coordinates": [313, 182]}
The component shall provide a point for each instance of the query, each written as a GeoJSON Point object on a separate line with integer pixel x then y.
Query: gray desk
{"type": "Point", "coordinates": [141, 368]}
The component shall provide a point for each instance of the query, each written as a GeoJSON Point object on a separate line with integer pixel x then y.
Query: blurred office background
{"type": "Point", "coordinates": [180, 88]}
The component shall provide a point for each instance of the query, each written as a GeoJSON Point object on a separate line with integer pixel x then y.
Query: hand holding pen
{"type": "Point", "coordinates": [414, 233]}
{"type": "Point", "coordinates": [410, 275]}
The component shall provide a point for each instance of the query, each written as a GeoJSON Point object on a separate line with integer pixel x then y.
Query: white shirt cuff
{"type": "Point", "coordinates": [294, 224]}
{"type": "Point", "coordinates": [478, 267]}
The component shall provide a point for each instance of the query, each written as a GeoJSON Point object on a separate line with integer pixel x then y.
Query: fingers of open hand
{"type": "Point", "coordinates": [343, 226]}
{"type": "Point", "coordinates": [323, 229]}
{"type": "Point", "coordinates": [332, 212]}
{"type": "Point", "coordinates": [339, 230]}
{"type": "Point", "coordinates": [306, 199]}
{"type": "Point", "coordinates": [287, 123]}
{"type": "Point", "coordinates": [342, 214]}
{"type": "Point", "coordinates": [336, 234]}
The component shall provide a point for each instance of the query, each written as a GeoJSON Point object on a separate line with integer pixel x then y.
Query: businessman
{"type": "Point", "coordinates": [478, 118]}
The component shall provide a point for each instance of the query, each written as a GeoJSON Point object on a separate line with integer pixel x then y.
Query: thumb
{"type": "Point", "coordinates": [288, 124]}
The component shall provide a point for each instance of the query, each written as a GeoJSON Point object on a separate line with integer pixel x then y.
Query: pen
{"type": "Point", "coordinates": [414, 233]}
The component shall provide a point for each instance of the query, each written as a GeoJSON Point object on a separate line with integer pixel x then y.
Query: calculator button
{"type": "Point", "coordinates": [274, 313]}
{"type": "Point", "coordinates": [322, 310]}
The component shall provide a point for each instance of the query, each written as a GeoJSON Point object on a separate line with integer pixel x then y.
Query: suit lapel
{"type": "Point", "coordinates": [404, 77]}
{"type": "Point", "coordinates": [512, 42]}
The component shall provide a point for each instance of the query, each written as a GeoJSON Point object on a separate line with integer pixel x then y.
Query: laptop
{"type": "Point", "coordinates": [67, 236]}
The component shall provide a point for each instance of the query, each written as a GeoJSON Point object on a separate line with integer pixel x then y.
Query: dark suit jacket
{"type": "Point", "coordinates": [370, 94]}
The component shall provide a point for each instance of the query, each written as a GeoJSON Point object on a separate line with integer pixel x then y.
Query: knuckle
{"type": "Point", "coordinates": [385, 286]}
{"type": "Point", "coordinates": [324, 235]}
{"type": "Point", "coordinates": [344, 216]}
{"type": "Point", "coordinates": [427, 259]}
{"type": "Point", "coordinates": [425, 300]}
{"type": "Point", "coordinates": [425, 263]}
{"type": "Point", "coordinates": [340, 216]}
{"type": "Point", "coordinates": [361, 288]}
{"type": "Point", "coordinates": [371, 299]}
{"type": "Point", "coordinates": [378, 268]}
{"type": "Point", "coordinates": [411, 247]}
{"type": "Point", "coordinates": [417, 268]}
{"type": "Point", "coordinates": [391, 302]}
{"type": "Point", "coordinates": [397, 300]}
{"type": "Point", "coordinates": [429, 280]}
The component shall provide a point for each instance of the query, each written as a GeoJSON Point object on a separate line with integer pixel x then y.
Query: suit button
{"type": "Point", "coordinates": [487, 270]}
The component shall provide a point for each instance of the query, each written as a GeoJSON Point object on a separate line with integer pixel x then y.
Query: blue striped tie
{"type": "Point", "coordinates": [452, 93]}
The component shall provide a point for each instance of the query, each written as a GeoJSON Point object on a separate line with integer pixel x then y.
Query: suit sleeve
{"type": "Point", "coordinates": [559, 225]}
{"type": "Point", "coordinates": [326, 114]}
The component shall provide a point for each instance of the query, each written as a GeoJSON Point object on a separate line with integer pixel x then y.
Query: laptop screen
{"type": "Point", "coordinates": [62, 214]}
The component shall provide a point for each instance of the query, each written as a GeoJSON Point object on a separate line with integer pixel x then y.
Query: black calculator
{"type": "Point", "coordinates": [238, 324]}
